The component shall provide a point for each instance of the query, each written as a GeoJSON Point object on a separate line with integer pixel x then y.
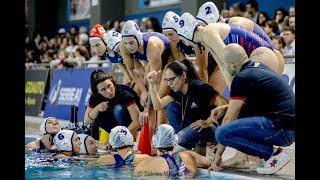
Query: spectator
{"type": "Point", "coordinates": [237, 9]}
{"type": "Point", "coordinates": [289, 39]}
{"type": "Point", "coordinates": [279, 42]}
{"type": "Point", "coordinates": [292, 11]}
{"type": "Point", "coordinates": [271, 28]}
{"type": "Point", "coordinates": [292, 21]}
{"type": "Point", "coordinates": [252, 9]}
{"type": "Point", "coordinates": [225, 13]}
{"type": "Point", "coordinates": [262, 18]}
{"type": "Point", "coordinates": [279, 16]}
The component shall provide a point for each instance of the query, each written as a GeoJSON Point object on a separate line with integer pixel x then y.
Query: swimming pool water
{"type": "Point", "coordinates": [34, 169]}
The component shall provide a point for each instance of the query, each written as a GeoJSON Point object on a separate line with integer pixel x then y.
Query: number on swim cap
{"type": "Point", "coordinates": [60, 136]}
{"type": "Point", "coordinates": [115, 34]}
{"type": "Point", "coordinates": [175, 18]}
{"type": "Point", "coordinates": [208, 10]}
{"type": "Point", "coordinates": [137, 28]}
{"type": "Point", "coordinates": [123, 132]}
{"type": "Point", "coordinates": [181, 22]}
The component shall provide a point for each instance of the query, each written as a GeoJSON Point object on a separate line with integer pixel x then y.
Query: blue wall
{"type": "Point", "coordinates": [268, 6]}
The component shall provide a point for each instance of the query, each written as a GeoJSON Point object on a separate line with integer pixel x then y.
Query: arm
{"type": "Point", "coordinates": [154, 51]}
{"type": "Point", "coordinates": [92, 113]}
{"type": "Point", "coordinates": [134, 114]}
{"type": "Point", "coordinates": [33, 144]}
{"type": "Point", "coordinates": [157, 102]}
{"type": "Point", "coordinates": [106, 160]}
{"type": "Point", "coordinates": [231, 114]}
{"type": "Point", "coordinates": [125, 72]}
{"type": "Point", "coordinates": [128, 61]}
{"type": "Point", "coordinates": [202, 61]}
{"type": "Point", "coordinates": [222, 104]}
{"type": "Point", "coordinates": [214, 42]}
{"type": "Point", "coordinates": [138, 158]}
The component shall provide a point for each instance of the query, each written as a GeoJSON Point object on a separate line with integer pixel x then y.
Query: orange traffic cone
{"type": "Point", "coordinates": [144, 145]}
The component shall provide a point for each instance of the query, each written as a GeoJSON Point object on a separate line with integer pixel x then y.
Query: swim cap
{"type": "Point", "coordinates": [120, 136]}
{"type": "Point", "coordinates": [43, 125]}
{"type": "Point", "coordinates": [63, 140]}
{"type": "Point", "coordinates": [113, 38]}
{"type": "Point", "coordinates": [97, 31]}
{"type": "Point", "coordinates": [170, 21]}
{"type": "Point", "coordinates": [130, 28]}
{"type": "Point", "coordinates": [83, 146]}
{"type": "Point", "coordinates": [164, 137]}
{"type": "Point", "coordinates": [208, 13]}
{"type": "Point", "coordinates": [187, 26]}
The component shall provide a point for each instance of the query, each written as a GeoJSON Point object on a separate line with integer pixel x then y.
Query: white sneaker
{"type": "Point", "coordinates": [275, 163]}
{"type": "Point", "coordinates": [254, 167]}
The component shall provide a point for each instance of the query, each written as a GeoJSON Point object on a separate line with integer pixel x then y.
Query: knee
{"type": "Point", "coordinates": [220, 134]}
{"type": "Point", "coordinates": [173, 107]}
{"type": "Point", "coordinates": [118, 109]}
{"type": "Point", "coordinates": [181, 140]}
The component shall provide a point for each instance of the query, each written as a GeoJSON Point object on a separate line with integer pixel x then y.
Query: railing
{"type": "Point", "coordinates": [84, 64]}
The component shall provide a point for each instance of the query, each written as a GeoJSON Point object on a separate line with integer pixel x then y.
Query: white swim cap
{"type": "Point", "coordinates": [187, 26]}
{"type": "Point", "coordinates": [164, 137]}
{"type": "Point", "coordinates": [170, 21]}
{"type": "Point", "coordinates": [130, 28]}
{"type": "Point", "coordinates": [120, 136]}
{"type": "Point", "coordinates": [43, 125]}
{"type": "Point", "coordinates": [63, 140]}
{"type": "Point", "coordinates": [83, 146]}
{"type": "Point", "coordinates": [112, 38]}
{"type": "Point", "coordinates": [208, 13]}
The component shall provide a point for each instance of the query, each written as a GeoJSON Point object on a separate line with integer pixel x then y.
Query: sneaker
{"type": "Point", "coordinates": [275, 163]}
{"type": "Point", "coordinates": [254, 167]}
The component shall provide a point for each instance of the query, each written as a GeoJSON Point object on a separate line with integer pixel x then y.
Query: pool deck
{"type": "Point", "coordinates": [32, 125]}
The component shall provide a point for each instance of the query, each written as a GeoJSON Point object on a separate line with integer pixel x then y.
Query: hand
{"type": "Point", "coordinates": [103, 106]}
{"type": "Point", "coordinates": [143, 117]}
{"type": "Point", "coordinates": [202, 124]}
{"type": "Point", "coordinates": [218, 112]}
{"type": "Point", "coordinates": [216, 163]}
{"type": "Point", "coordinates": [152, 76]}
{"type": "Point", "coordinates": [108, 147]}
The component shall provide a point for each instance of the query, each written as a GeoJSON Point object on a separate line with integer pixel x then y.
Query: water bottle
{"type": "Point", "coordinates": [71, 124]}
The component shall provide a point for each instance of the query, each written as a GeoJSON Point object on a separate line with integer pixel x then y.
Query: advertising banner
{"type": "Point", "coordinates": [70, 86]}
{"type": "Point", "coordinates": [35, 84]}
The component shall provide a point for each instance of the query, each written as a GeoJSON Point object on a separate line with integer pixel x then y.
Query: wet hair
{"type": "Point", "coordinates": [184, 66]}
{"type": "Point", "coordinates": [98, 76]}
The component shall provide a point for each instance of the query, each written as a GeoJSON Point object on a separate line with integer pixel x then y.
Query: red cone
{"type": "Point", "coordinates": [144, 145]}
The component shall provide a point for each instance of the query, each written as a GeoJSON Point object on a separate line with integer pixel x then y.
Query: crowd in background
{"type": "Point", "coordinates": [71, 48]}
